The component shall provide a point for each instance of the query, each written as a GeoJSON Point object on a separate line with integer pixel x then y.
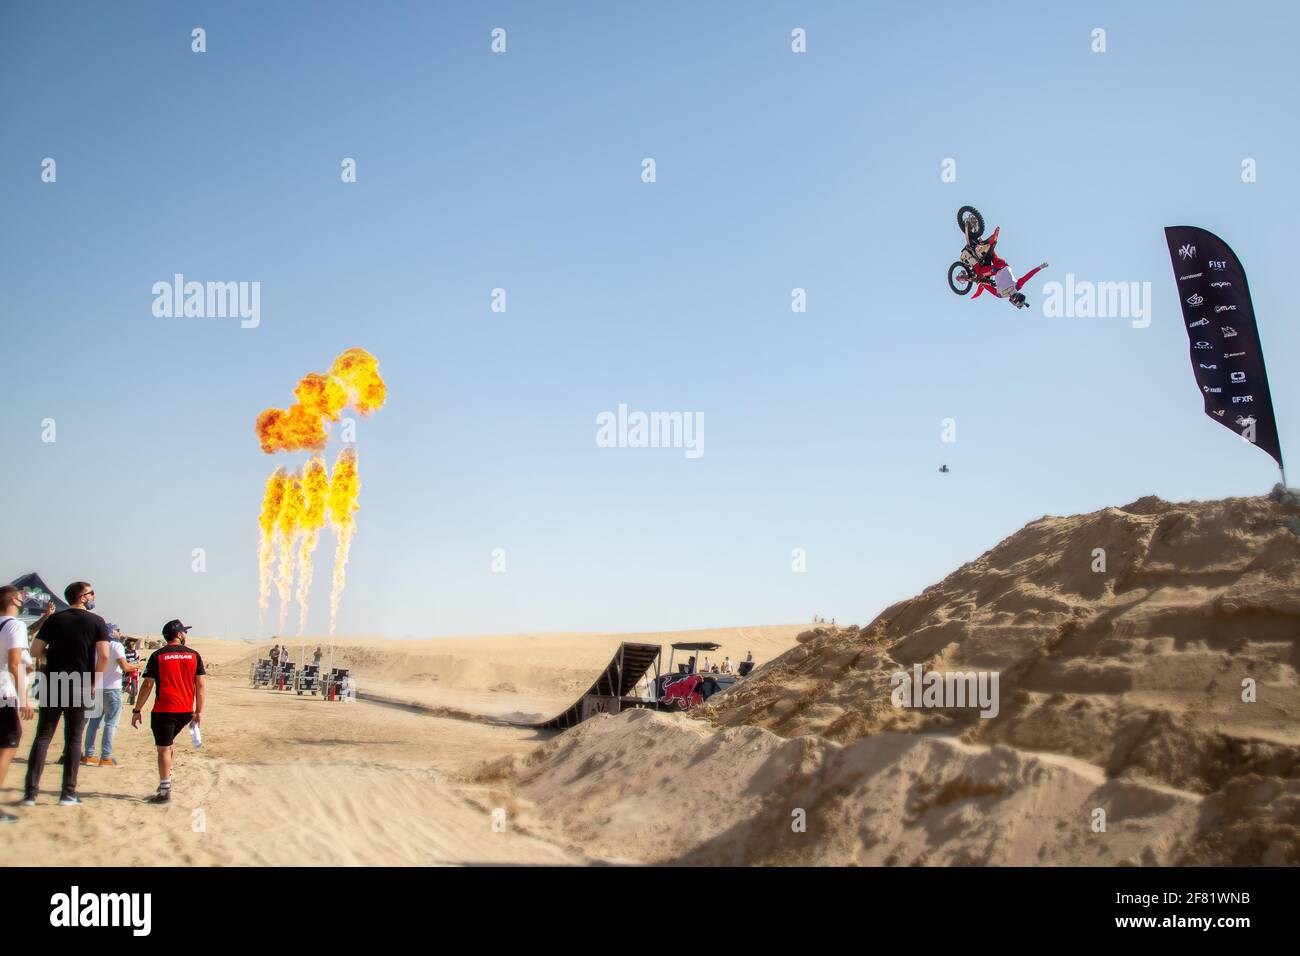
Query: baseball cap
{"type": "Point", "coordinates": [172, 628]}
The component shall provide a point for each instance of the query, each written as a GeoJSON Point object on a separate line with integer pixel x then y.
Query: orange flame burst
{"type": "Point", "coordinates": [341, 503]}
{"type": "Point", "coordinates": [315, 486]}
{"type": "Point", "coordinates": [359, 371]}
{"type": "Point", "coordinates": [295, 502]}
{"type": "Point", "coordinates": [296, 505]}
{"type": "Point", "coordinates": [353, 380]}
{"type": "Point", "coordinates": [272, 499]}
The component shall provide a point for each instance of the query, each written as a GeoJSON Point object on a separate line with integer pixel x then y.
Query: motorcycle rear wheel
{"type": "Point", "coordinates": [959, 278]}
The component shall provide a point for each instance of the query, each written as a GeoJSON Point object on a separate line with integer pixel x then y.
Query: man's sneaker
{"type": "Point", "coordinates": [108, 762]}
{"type": "Point", "coordinates": [7, 817]}
{"type": "Point", "coordinates": [162, 796]}
{"type": "Point", "coordinates": [90, 761]}
{"type": "Point", "coordinates": [27, 802]}
{"type": "Point", "coordinates": [69, 801]}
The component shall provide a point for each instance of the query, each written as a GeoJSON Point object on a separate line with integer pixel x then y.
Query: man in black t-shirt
{"type": "Point", "coordinates": [74, 645]}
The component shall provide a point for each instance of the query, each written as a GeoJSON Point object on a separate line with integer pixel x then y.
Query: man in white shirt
{"type": "Point", "coordinates": [13, 681]}
{"type": "Point", "coordinates": [118, 666]}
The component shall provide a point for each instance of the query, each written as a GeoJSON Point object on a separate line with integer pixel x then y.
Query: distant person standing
{"type": "Point", "coordinates": [74, 645]}
{"type": "Point", "coordinates": [118, 667]}
{"type": "Point", "coordinates": [315, 658]}
{"type": "Point", "coordinates": [178, 673]}
{"type": "Point", "coordinates": [13, 682]}
{"type": "Point", "coordinates": [132, 646]}
{"type": "Point", "coordinates": [727, 667]}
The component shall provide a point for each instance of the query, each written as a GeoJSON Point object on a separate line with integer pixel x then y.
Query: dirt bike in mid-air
{"type": "Point", "coordinates": [980, 265]}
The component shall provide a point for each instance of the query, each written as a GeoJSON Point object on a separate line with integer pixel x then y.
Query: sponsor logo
{"type": "Point", "coordinates": [1212, 368]}
{"type": "Point", "coordinates": [1217, 265]}
{"type": "Point", "coordinates": [1228, 331]}
{"type": "Point", "coordinates": [1194, 275]}
{"type": "Point", "coordinates": [1202, 345]}
{"type": "Point", "coordinates": [1220, 412]}
{"type": "Point", "coordinates": [1238, 399]}
{"type": "Point", "coordinates": [1219, 285]}
{"type": "Point", "coordinates": [1199, 322]}
{"type": "Point", "coordinates": [1187, 252]}
{"type": "Point", "coordinates": [1225, 308]}
{"type": "Point", "coordinates": [1195, 299]}
{"type": "Point", "coordinates": [1233, 354]}
{"type": "Point", "coordinates": [1245, 421]}
{"type": "Point", "coordinates": [1212, 391]}
{"type": "Point", "coordinates": [1237, 377]}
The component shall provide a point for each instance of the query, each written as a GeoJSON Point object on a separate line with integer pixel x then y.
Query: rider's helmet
{"type": "Point", "coordinates": [1018, 300]}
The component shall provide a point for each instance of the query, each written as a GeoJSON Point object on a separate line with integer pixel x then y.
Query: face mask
{"type": "Point", "coordinates": [90, 604]}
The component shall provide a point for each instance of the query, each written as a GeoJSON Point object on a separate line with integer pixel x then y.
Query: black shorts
{"type": "Point", "coordinates": [167, 726]}
{"type": "Point", "coordinates": [11, 728]}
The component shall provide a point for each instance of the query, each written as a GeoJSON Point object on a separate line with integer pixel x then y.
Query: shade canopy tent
{"type": "Point", "coordinates": [36, 595]}
{"type": "Point", "coordinates": [689, 646]}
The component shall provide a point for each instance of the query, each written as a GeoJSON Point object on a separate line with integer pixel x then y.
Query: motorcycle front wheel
{"type": "Point", "coordinates": [970, 222]}
{"type": "Point", "coordinates": [959, 278]}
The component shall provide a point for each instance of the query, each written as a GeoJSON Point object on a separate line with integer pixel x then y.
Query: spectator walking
{"type": "Point", "coordinates": [119, 665]}
{"type": "Point", "coordinates": [177, 672]}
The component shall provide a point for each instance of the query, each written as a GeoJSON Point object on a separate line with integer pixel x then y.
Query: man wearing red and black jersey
{"type": "Point", "coordinates": [178, 673]}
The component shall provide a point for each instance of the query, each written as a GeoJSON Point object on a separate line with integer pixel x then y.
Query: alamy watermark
{"type": "Point", "coordinates": [64, 689]}
{"type": "Point", "coordinates": [208, 300]}
{"type": "Point", "coordinates": [624, 429]}
{"type": "Point", "coordinates": [946, 689]}
{"type": "Point", "coordinates": [76, 909]}
{"type": "Point", "coordinates": [1083, 299]}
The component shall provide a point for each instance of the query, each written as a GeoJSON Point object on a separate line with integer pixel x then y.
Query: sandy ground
{"type": "Point", "coordinates": [1148, 714]}
{"type": "Point", "coordinates": [284, 780]}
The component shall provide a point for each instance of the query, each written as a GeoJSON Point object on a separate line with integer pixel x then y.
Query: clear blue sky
{"type": "Point", "coordinates": [522, 171]}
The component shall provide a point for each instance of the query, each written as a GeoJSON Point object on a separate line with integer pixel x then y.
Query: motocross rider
{"type": "Point", "coordinates": [992, 272]}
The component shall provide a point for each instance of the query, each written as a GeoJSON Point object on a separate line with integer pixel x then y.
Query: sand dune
{"type": "Point", "coordinates": [662, 788]}
{"type": "Point", "coordinates": [1121, 690]}
{"type": "Point", "coordinates": [1137, 668]}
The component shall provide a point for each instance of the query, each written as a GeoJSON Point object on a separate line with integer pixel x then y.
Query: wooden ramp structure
{"type": "Point", "coordinates": [611, 693]}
